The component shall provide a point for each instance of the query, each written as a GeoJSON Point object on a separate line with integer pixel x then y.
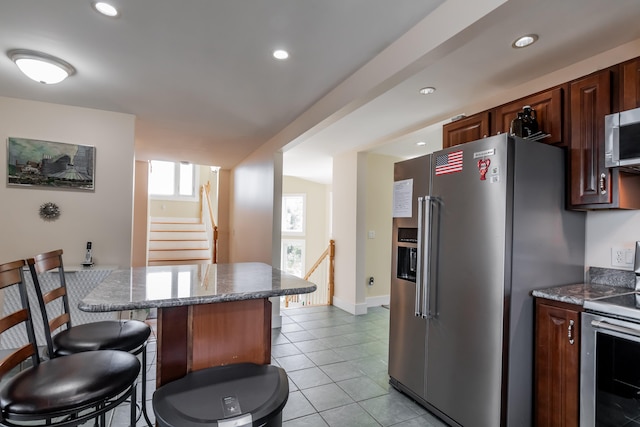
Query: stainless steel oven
{"type": "Point", "coordinates": [610, 362]}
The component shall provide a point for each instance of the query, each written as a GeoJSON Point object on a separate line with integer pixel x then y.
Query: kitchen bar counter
{"type": "Point", "coordinates": [183, 285]}
{"type": "Point", "coordinates": [208, 314]}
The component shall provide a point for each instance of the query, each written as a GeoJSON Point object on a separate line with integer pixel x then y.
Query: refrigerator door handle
{"type": "Point", "coordinates": [431, 305]}
{"type": "Point", "coordinates": [426, 257]}
{"type": "Point", "coordinates": [418, 312]}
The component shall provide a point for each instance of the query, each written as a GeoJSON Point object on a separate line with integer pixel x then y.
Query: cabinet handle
{"type": "Point", "coordinates": [570, 332]}
{"type": "Point", "coordinates": [603, 184]}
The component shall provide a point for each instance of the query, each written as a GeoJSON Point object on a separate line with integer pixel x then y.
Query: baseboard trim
{"type": "Point", "coordinates": [356, 309]}
{"type": "Point", "coordinates": [378, 301]}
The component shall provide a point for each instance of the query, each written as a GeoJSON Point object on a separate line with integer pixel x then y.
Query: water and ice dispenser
{"type": "Point", "coordinates": [407, 253]}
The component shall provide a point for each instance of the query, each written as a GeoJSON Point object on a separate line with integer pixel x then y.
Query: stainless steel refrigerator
{"type": "Point", "coordinates": [476, 228]}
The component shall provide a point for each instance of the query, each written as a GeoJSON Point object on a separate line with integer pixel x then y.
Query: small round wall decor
{"type": "Point", "coordinates": [49, 211]}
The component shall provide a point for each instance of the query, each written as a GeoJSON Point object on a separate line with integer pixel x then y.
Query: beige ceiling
{"type": "Point", "coordinates": [199, 77]}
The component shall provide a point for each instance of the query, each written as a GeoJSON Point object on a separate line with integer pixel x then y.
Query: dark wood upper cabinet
{"type": "Point", "coordinates": [630, 77]}
{"type": "Point", "coordinates": [590, 101]}
{"type": "Point", "coordinates": [557, 364]}
{"type": "Point", "coordinates": [573, 114]}
{"type": "Point", "coordinates": [548, 107]}
{"type": "Point", "coordinates": [466, 130]}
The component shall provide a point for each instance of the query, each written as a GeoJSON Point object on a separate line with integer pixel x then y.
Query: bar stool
{"type": "Point", "coordinates": [243, 394]}
{"type": "Point", "coordinates": [124, 335]}
{"type": "Point", "coordinates": [61, 392]}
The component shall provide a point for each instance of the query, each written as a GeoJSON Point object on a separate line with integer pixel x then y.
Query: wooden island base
{"type": "Point", "coordinates": [195, 337]}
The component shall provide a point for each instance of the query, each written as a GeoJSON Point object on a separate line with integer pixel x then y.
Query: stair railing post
{"type": "Point", "coordinates": [332, 259]}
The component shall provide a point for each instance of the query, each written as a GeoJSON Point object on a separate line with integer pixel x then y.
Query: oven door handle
{"type": "Point", "coordinates": [603, 324]}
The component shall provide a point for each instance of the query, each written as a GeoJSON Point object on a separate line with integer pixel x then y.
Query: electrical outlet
{"type": "Point", "coordinates": [622, 257]}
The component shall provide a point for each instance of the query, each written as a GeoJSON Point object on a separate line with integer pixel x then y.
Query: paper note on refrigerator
{"type": "Point", "coordinates": [402, 198]}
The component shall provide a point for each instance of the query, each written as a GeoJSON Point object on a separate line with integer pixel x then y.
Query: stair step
{"type": "Point", "coordinates": [178, 262]}
{"type": "Point", "coordinates": [177, 235]}
{"type": "Point", "coordinates": [163, 245]}
{"type": "Point", "coordinates": [173, 220]}
{"type": "Point", "coordinates": [193, 254]}
{"type": "Point", "coordinates": [177, 227]}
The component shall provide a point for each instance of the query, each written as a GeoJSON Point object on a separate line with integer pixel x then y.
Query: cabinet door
{"type": "Point", "coordinates": [548, 107]}
{"type": "Point", "coordinates": [590, 102]}
{"type": "Point", "coordinates": [465, 130]}
{"type": "Point", "coordinates": [631, 85]}
{"type": "Point", "coordinates": [557, 365]}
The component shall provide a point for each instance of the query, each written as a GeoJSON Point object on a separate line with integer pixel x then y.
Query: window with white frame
{"type": "Point", "coordinates": [293, 214]}
{"type": "Point", "coordinates": [293, 230]}
{"type": "Point", "coordinates": [172, 180]}
{"type": "Point", "coordinates": [293, 256]}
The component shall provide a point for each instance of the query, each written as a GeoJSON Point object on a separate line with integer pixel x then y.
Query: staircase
{"type": "Point", "coordinates": [178, 241]}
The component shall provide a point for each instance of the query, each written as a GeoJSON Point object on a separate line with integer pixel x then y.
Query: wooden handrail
{"type": "Point", "coordinates": [205, 190]}
{"type": "Point", "coordinates": [330, 252]}
{"type": "Point", "coordinates": [318, 262]}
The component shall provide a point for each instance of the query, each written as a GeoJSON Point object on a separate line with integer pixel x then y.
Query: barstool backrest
{"type": "Point", "coordinates": [52, 319]}
{"type": "Point", "coordinates": [11, 276]}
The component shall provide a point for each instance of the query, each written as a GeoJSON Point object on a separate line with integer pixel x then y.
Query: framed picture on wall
{"type": "Point", "coordinates": [56, 165]}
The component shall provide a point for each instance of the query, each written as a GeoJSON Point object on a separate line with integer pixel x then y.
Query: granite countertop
{"type": "Point", "coordinates": [179, 285]}
{"type": "Point", "coordinates": [602, 282]}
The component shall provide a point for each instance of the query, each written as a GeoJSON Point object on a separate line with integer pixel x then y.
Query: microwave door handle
{"type": "Point", "coordinates": [418, 313]}
{"type": "Point", "coordinates": [615, 131]}
{"type": "Point", "coordinates": [603, 324]}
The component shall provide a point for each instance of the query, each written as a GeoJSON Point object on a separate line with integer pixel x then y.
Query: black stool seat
{"type": "Point", "coordinates": [68, 383]}
{"type": "Point", "coordinates": [125, 335]}
{"type": "Point", "coordinates": [240, 394]}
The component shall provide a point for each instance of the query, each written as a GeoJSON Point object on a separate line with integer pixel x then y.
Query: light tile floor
{"type": "Point", "coordinates": [337, 368]}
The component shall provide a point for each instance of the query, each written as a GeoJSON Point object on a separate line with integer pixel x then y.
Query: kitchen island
{"type": "Point", "coordinates": [208, 314]}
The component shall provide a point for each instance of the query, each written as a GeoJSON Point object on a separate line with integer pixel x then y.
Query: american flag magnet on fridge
{"type": "Point", "coordinates": [449, 163]}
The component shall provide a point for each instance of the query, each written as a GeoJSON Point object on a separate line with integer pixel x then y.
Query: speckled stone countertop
{"type": "Point", "coordinates": [601, 282]}
{"type": "Point", "coordinates": [179, 285]}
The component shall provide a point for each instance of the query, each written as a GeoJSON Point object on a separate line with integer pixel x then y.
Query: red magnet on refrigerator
{"type": "Point", "coordinates": [483, 167]}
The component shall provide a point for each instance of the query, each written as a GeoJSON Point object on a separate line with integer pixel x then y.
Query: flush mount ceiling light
{"type": "Point", "coordinates": [41, 67]}
{"type": "Point", "coordinates": [524, 41]}
{"type": "Point", "coordinates": [105, 8]}
{"type": "Point", "coordinates": [421, 143]}
{"type": "Point", "coordinates": [280, 54]}
{"type": "Point", "coordinates": [427, 90]}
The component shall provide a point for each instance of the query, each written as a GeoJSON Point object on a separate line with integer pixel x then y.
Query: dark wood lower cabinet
{"type": "Point", "coordinates": [557, 364]}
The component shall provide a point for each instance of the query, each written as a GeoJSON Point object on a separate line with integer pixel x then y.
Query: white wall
{"type": "Point", "coordinates": [253, 205]}
{"type": "Point", "coordinates": [224, 177]}
{"type": "Point", "coordinates": [379, 191]}
{"type": "Point", "coordinates": [349, 174]}
{"type": "Point", "coordinates": [255, 212]}
{"type": "Point", "coordinates": [103, 216]}
{"type": "Point", "coordinates": [139, 253]}
{"type": "Point", "coordinates": [607, 229]}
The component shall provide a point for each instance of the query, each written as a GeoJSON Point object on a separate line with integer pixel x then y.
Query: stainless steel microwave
{"type": "Point", "coordinates": [622, 140]}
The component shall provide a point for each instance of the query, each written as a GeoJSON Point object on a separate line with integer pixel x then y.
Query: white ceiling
{"type": "Point", "coordinates": [198, 73]}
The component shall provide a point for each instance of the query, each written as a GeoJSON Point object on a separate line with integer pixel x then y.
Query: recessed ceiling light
{"type": "Point", "coordinates": [525, 41]}
{"type": "Point", "coordinates": [421, 143]}
{"type": "Point", "coordinates": [105, 8]}
{"type": "Point", "coordinates": [280, 54]}
{"type": "Point", "coordinates": [427, 90]}
{"type": "Point", "coordinates": [41, 67]}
